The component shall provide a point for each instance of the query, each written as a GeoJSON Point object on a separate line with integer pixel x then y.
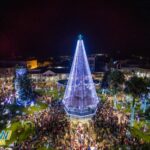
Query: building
{"type": "Point", "coordinates": [32, 64]}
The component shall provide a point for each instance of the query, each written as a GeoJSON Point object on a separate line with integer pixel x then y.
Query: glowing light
{"type": "Point", "coordinates": [24, 103]}
{"type": "Point", "coordinates": [21, 71]}
{"type": "Point", "coordinates": [80, 98]}
{"type": "Point", "coordinates": [24, 96]}
{"type": "Point", "coordinates": [8, 100]}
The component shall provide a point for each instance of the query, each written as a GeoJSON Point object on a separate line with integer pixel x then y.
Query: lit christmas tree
{"type": "Point", "coordinates": [24, 94]}
{"type": "Point", "coordinates": [80, 97]}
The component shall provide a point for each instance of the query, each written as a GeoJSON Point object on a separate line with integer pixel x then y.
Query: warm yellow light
{"type": "Point", "coordinates": [32, 64]}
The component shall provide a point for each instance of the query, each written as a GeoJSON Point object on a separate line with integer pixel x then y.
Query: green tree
{"type": "Point", "coordinates": [23, 88]}
{"type": "Point", "coordinates": [116, 79]}
{"type": "Point", "coordinates": [135, 86]}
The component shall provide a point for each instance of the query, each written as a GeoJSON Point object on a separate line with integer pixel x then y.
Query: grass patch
{"type": "Point", "coordinates": [28, 110]}
{"type": "Point", "coordinates": [19, 132]}
{"type": "Point", "coordinates": [137, 131]}
{"type": "Point", "coordinates": [36, 108]}
{"type": "Point", "coordinates": [102, 97]}
{"type": "Point", "coordinates": [53, 93]}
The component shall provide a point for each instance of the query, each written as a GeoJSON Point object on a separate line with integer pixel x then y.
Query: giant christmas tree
{"type": "Point", "coordinates": [24, 94]}
{"type": "Point", "coordinates": [80, 98]}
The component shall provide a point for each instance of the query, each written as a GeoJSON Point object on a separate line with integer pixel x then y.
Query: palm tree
{"type": "Point", "coordinates": [135, 86]}
{"type": "Point", "coordinates": [116, 79]}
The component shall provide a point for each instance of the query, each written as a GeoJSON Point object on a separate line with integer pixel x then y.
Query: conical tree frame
{"type": "Point", "coordinates": [80, 98]}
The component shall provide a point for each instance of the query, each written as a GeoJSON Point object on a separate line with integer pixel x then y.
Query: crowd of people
{"type": "Point", "coordinates": [53, 128]}
{"type": "Point", "coordinates": [6, 91]}
{"type": "Point", "coordinates": [81, 135]}
{"type": "Point", "coordinates": [108, 129]}
{"type": "Point", "coordinates": [49, 125]}
{"type": "Point", "coordinates": [112, 129]}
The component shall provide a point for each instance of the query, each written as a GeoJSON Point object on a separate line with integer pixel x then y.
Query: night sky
{"type": "Point", "coordinates": [50, 27]}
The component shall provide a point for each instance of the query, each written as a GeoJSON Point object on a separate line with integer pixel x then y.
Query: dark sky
{"type": "Point", "coordinates": [50, 27]}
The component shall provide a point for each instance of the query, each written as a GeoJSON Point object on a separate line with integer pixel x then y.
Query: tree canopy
{"type": "Point", "coordinates": [116, 79]}
{"type": "Point", "coordinates": [136, 86]}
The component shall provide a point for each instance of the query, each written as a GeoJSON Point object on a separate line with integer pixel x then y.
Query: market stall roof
{"type": "Point", "coordinates": [49, 73]}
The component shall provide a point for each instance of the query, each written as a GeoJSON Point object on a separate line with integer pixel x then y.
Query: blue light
{"type": "Point", "coordinates": [24, 95]}
{"type": "Point", "coordinates": [19, 102]}
{"type": "Point", "coordinates": [80, 98]}
{"type": "Point", "coordinates": [21, 71]}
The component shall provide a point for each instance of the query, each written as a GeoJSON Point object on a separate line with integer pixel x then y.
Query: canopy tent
{"type": "Point", "coordinates": [49, 73]}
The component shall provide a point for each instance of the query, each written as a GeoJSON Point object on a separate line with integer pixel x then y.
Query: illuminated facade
{"type": "Point", "coordinates": [32, 64]}
{"type": "Point", "coordinates": [80, 98]}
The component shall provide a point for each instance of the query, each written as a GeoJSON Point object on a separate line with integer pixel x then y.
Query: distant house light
{"type": "Point", "coordinates": [59, 67]}
{"type": "Point", "coordinates": [115, 62]}
{"type": "Point", "coordinates": [99, 54]}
